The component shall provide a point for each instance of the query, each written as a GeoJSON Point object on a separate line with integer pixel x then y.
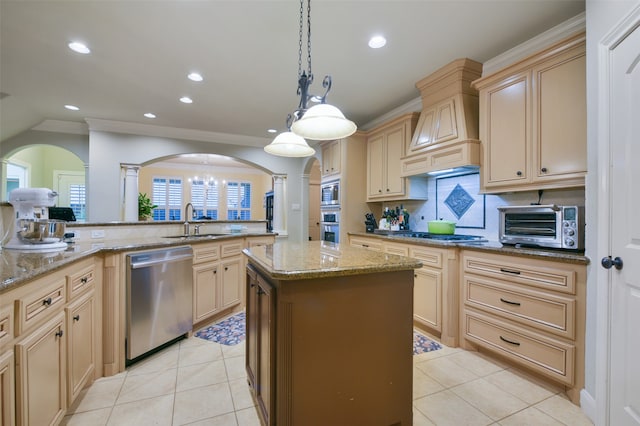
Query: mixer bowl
{"type": "Point", "coordinates": [41, 231]}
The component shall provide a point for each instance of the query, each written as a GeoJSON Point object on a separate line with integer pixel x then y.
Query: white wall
{"type": "Point", "coordinates": [602, 16]}
{"type": "Point", "coordinates": [109, 149]}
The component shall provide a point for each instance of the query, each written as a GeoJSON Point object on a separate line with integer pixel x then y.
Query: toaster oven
{"type": "Point", "coordinates": [553, 226]}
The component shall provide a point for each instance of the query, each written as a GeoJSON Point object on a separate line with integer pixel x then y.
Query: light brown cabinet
{"type": "Point", "coordinates": [331, 158]}
{"type": "Point", "coordinates": [7, 389]}
{"type": "Point", "coordinates": [216, 278]}
{"type": "Point", "coordinates": [530, 311]}
{"type": "Point", "coordinates": [385, 146]}
{"type": "Point", "coordinates": [533, 121]}
{"type": "Point", "coordinates": [41, 374]}
{"type": "Point", "coordinates": [81, 345]}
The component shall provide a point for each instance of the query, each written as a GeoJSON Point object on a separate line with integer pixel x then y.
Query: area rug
{"type": "Point", "coordinates": [422, 344]}
{"type": "Point", "coordinates": [230, 331]}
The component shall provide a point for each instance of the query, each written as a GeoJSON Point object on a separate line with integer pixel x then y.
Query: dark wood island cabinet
{"type": "Point", "coordinates": [329, 334]}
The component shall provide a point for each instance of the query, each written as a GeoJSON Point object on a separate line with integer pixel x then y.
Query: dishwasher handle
{"type": "Point", "coordinates": [156, 261]}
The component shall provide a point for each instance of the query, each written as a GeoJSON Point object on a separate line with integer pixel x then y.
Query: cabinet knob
{"type": "Point", "coordinates": [519, 173]}
{"type": "Point", "coordinates": [215, 271]}
{"type": "Point", "coordinates": [84, 280]}
{"type": "Point", "coordinates": [59, 333]}
{"type": "Point", "coordinates": [387, 189]}
{"type": "Point", "coordinates": [543, 170]}
{"type": "Point", "coordinates": [226, 268]}
{"type": "Point", "coordinates": [379, 190]}
{"type": "Point", "coordinates": [76, 318]}
{"type": "Point", "coordinates": [47, 301]}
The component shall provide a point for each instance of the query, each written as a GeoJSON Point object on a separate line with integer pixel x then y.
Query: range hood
{"type": "Point", "coordinates": [446, 136]}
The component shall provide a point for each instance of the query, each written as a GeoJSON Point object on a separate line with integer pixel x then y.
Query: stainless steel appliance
{"type": "Point", "coordinates": [552, 226]}
{"type": "Point", "coordinates": [330, 224]}
{"type": "Point", "coordinates": [159, 298]}
{"type": "Point", "coordinates": [330, 193]}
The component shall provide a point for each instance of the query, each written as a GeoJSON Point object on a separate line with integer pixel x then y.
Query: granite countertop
{"type": "Point", "coordinates": [21, 266]}
{"type": "Point", "coordinates": [557, 255]}
{"type": "Point", "coordinates": [286, 260]}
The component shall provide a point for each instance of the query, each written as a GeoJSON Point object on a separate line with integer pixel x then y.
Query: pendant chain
{"type": "Point", "coordinates": [301, 31]}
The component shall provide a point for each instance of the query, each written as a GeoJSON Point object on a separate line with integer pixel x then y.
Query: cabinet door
{"type": "Point", "coordinates": [427, 297]}
{"type": "Point", "coordinates": [395, 147]}
{"type": "Point", "coordinates": [230, 282]}
{"type": "Point", "coordinates": [205, 283]}
{"type": "Point", "coordinates": [81, 344]}
{"type": "Point", "coordinates": [41, 374]}
{"type": "Point", "coordinates": [446, 127]}
{"type": "Point", "coordinates": [266, 314]}
{"type": "Point", "coordinates": [252, 327]}
{"type": "Point", "coordinates": [561, 107]}
{"type": "Point", "coordinates": [506, 138]}
{"type": "Point", "coordinates": [375, 161]}
{"type": "Point", "coordinates": [335, 157]}
{"type": "Point", "coordinates": [7, 389]}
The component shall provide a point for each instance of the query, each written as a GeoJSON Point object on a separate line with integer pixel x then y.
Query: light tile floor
{"type": "Point", "coordinates": [197, 382]}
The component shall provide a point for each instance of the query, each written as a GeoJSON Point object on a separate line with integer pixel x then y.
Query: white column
{"type": "Point", "coordinates": [280, 204]}
{"type": "Point", "coordinates": [3, 178]}
{"type": "Point", "coordinates": [130, 196]}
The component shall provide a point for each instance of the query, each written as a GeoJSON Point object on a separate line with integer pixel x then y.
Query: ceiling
{"type": "Point", "coordinates": [247, 52]}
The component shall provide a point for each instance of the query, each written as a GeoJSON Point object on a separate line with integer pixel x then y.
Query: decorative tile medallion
{"type": "Point", "coordinates": [459, 201]}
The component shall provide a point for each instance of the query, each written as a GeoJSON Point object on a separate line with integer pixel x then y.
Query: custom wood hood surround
{"type": "Point", "coordinates": [446, 135]}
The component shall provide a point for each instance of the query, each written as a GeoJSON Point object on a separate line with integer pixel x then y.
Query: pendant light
{"type": "Point", "coordinates": [320, 122]}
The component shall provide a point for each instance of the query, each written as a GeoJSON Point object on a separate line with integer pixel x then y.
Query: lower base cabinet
{"type": "Point", "coordinates": [41, 382]}
{"type": "Point", "coordinates": [81, 353]}
{"type": "Point", "coordinates": [7, 390]}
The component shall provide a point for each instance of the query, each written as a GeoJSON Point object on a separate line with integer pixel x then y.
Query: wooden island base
{"type": "Point", "coordinates": [333, 350]}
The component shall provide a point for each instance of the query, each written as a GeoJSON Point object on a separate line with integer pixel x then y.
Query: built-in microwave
{"type": "Point", "coordinates": [552, 226]}
{"type": "Point", "coordinates": [330, 193]}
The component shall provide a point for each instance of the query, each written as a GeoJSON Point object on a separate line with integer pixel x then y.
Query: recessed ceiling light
{"type": "Point", "coordinates": [149, 115]}
{"type": "Point", "coordinates": [186, 100]}
{"type": "Point", "coordinates": [72, 107]}
{"type": "Point", "coordinates": [194, 76]}
{"type": "Point", "coordinates": [272, 131]}
{"type": "Point", "coordinates": [376, 42]}
{"type": "Point", "coordinates": [76, 46]}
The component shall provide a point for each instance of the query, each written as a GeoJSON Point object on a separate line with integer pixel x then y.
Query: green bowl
{"type": "Point", "coordinates": [445, 227]}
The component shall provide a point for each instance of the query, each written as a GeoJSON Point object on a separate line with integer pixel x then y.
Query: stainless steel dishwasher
{"type": "Point", "coordinates": [159, 298]}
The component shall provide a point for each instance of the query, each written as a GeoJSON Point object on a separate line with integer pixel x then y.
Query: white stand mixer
{"type": "Point", "coordinates": [30, 205]}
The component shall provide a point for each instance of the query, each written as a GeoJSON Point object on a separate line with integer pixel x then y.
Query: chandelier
{"type": "Point", "coordinates": [321, 121]}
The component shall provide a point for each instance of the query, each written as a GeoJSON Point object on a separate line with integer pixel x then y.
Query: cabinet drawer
{"type": "Point", "coordinates": [548, 312]}
{"type": "Point", "coordinates": [542, 274]}
{"type": "Point", "coordinates": [205, 252]}
{"type": "Point", "coordinates": [366, 243]}
{"type": "Point", "coordinates": [428, 257]}
{"type": "Point", "coordinates": [38, 305]}
{"type": "Point", "coordinates": [231, 249]}
{"type": "Point", "coordinates": [550, 357]}
{"type": "Point", "coordinates": [256, 242]}
{"type": "Point", "coordinates": [400, 250]}
{"type": "Point", "coordinates": [80, 281]}
{"type": "Point", "coordinates": [6, 325]}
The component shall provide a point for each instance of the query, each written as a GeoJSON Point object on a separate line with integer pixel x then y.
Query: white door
{"type": "Point", "coordinates": [624, 386]}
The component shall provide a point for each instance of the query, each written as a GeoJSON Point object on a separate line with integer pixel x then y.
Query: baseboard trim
{"type": "Point", "coordinates": [588, 405]}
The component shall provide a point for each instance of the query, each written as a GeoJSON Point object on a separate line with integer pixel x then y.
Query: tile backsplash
{"type": "Point", "coordinates": [423, 211]}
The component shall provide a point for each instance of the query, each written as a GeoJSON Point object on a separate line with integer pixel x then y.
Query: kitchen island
{"type": "Point", "coordinates": [329, 334]}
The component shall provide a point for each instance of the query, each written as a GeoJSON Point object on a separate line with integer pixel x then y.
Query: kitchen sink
{"type": "Point", "coordinates": [195, 236]}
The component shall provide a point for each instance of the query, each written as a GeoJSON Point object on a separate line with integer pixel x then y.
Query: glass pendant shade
{"type": "Point", "coordinates": [323, 122]}
{"type": "Point", "coordinates": [288, 144]}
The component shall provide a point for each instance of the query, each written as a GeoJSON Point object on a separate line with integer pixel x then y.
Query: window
{"type": "Point", "coordinates": [77, 200]}
{"type": "Point", "coordinates": [167, 195]}
{"type": "Point", "coordinates": [238, 201]}
{"type": "Point", "coordinates": [204, 198]}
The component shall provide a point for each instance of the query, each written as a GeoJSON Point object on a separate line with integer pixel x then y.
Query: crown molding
{"type": "Point", "coordinates": [59, 126]}
{"type": "Point", "coordinates": [96, 124]}
{"type": "Point", "coordinates": [559, 32]}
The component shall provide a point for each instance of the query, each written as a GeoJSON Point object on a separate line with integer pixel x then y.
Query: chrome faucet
{"type": "Point", "coordinates": [186, 218]}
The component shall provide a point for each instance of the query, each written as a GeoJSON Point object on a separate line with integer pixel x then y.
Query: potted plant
{"type": "Point", "coordinates": [145, 207]}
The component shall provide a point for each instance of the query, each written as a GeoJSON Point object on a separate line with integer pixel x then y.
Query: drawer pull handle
{"type": "Point", "coordinates": [511, 342]}
{"type": "Point", "coordinates": [509, 302]}
{"type": "Point", "coordinates": [365, 245]}
{"type": "Point", "coordinates": [76, 318]}
{"type": "Point", "coordinates": [47, 301]}
{"type": "Point", "coordinates": [84, 280]}
{"type": "Point", "coordinates": [59, 333]}
{"type": "Point", "coordinates": [509, 271]}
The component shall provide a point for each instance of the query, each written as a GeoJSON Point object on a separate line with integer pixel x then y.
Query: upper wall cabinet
{"type": "Point", "coordinates": [446, 135]}
{"type": "Point", "coordinates": [533, 121]}
{"type": "Point", "coordinates": [385, 146]}
{"type": "Point", "coordinates": [331, 158]}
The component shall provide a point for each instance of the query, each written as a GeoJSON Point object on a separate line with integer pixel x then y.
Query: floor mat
{"type": "Point", "coordinates": [231, 331]}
